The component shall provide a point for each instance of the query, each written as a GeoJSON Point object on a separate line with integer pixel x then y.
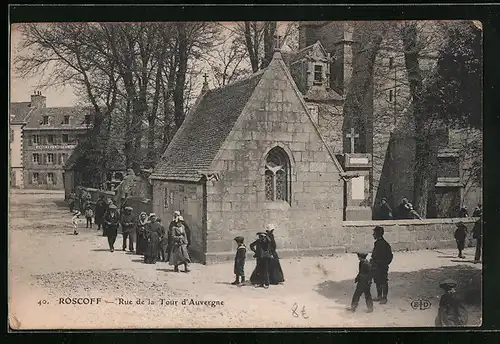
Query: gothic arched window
{"type": "Point", "coordinates": [277, 175]}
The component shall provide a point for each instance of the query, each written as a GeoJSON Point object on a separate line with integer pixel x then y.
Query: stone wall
{"type": "Point", "coordinates": [236, 204]}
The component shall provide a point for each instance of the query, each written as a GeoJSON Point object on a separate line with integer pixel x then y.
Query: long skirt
{"type": "Point", "coordinates": [152, 250]}
{"type": "Point", "coordinates": [261, 273]}
{"type": "Point", "coordinates": [275, 271]}
{"type": "Point", "coordinates": [179, 255]}
{"type": "Point", "coordinates": [142, 244]}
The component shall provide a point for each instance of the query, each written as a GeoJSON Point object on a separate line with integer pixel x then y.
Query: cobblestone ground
{"type": "Point", "coordinates": [48, 263]}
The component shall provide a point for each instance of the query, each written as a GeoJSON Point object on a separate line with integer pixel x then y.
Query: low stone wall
{"type": "Point", "coordinates": [402, 235]}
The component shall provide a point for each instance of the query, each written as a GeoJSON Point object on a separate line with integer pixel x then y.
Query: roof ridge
{"type": "Point", "coordinates": [239, 80]}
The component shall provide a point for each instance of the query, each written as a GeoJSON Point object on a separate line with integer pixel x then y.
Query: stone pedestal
{"type": "Point", "coordinates": [357, 188]}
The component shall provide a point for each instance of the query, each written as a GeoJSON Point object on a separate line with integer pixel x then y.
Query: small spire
{"type": "Point", "coordinates": [205, 84]}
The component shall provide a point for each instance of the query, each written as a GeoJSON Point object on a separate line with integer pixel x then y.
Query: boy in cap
{"type": "Point", "coordinates": [239, 261]}
{"type": "Point", "coordinates": [76, 221]}
{"type": "Point", "coordinates": [451, 312]}
{"type": "Point", "coordinates": [363, 284]}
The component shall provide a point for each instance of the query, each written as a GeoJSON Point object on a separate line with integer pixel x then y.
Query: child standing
{"type": "Point", "coordinates": [451, 312]}
{"type": "Point", "coordinates": [239, 261]}
{"type": "Point", "coordinates": [460, 236]}
{"type": "Point", "coordinates": [363, 284]}
{"type": "Point", "coordinates": [89, 214]}
{"type": "Point", "coordinates": [76, 222]}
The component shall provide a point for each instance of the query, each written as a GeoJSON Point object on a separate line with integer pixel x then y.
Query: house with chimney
{"type": "Point", "coordinates": [42, 139]}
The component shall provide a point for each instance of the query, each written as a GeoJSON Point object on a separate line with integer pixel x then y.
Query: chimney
{"type": "Point", "coordinates": [38, 101]}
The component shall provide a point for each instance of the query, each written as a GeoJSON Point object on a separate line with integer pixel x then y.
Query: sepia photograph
{"type": "Point", "coordinates": [258, 174]}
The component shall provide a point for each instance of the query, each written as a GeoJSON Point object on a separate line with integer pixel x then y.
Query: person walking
{"type": "Point", "coordinates": [154, 231]}
{"type": "Point", "coordinates": [262, 249]}
{"type": "Point", "coordinates": [363, 284]}
{"type": "Point", "coordinates": [111, 223]}
{"type": "Point", "coordinates": [128, 229]}
{"type": "Point", "coordinates": [460, 236]}
{"type": "Point", "coordinates": [477, 233]}
{"type": "Point", "coordinates": [179, 253]}
{"type": "Point", "coordinates": [275, 271]}
{"type": "Point", "coordinates": [140, 229]}
{"type": "Point", "coordinates": [380, 260]}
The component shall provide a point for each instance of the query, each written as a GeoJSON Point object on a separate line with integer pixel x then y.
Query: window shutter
{"type": "Point", "coordinates": [30, 140]}
{"type": "Point", "coordinates": [31, 178]}
{"type": "Point", "coordinates": [42, 178]}
{"type": "Point", "coordinates": [59, 159]}
{"type": "Point", "coordinates": [54, 180]}
{"type": "Point", "coordinates": [44, 159]}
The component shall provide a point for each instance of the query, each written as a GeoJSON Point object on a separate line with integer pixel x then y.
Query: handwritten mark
{"type": "Point", "coordinates": [420, 304]}
{"type": "Point", "coordinates": [303, 312]}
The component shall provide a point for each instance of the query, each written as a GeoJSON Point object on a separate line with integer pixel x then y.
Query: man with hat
{"type": "Point", "coordinates": [451, 311]}
{"type": "Point", "coordinates": [380, 260]}
{"type": "Point", "coordinates": [460, 235]}
{"type": "Point", "coordinates": [111, 223]}
{"type": "Point", "coordinates": [385, 211]}
{"type": "Point", "coordinates": [363, 284]}
{"type": "Point", "coordinates": [128, 230]}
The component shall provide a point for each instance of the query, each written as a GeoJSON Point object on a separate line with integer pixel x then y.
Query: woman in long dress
{"type": "Point", "coordinates": [179, 254]}
{"type": "Point", "coordinates": [262, 249]}
{"type": "Point", "coordinates": [141, 233]}
{"type": "Point", "coordinates": [275, 271]}
{"type": "Point", "coordinates": [153, 234]}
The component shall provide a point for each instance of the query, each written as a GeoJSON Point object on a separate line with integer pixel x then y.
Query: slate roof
{"type": "Point", "coordinates": [19, 112]}
{"type": "Point", "coordinates": [56, 118]}
{"type": "Point", "coordinates": [204, 130]}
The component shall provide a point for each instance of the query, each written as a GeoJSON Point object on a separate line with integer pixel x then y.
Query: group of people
{"type": "Point", "coordinates": [451, 311]}
{"type": "Point", "coordinates": [404, 210]}
{"type": "Point", "coordinates": [477, 233]}
{"type": "Point", "coordinates": [268, 268]}
{"type": "Point", "coordinates": [145, 232]}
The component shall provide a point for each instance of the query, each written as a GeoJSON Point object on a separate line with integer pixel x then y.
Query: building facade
{"type": "Point", "coordinates": [49, 138]}
{"type": "Point", "coordinates": [19, 115]}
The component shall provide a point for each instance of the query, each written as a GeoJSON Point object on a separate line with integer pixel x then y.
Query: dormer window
{"type": "Point", "coordinates": [45, 120]}
{"type": "Point", "coordinates": [87, 119]}
{"type": "Point", "coordinates": [66, 120]}
{"type": "Point", "coordinates": [318, 74]}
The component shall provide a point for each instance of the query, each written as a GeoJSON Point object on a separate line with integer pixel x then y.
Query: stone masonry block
{"type": "Point", "coordinates": [297, 146]}
{"type": "Point", "coordinates": [301, 137]}
{"type": "Point", "coordinates": [317, 167]}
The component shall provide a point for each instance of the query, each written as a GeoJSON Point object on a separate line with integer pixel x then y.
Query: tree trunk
{"type": "Point", "coordinates": [182, 53]}
{"type": "Point", "coordinates": [269, 42]}
{"type": "Point", "coordinates": [423, 149]}
{"type": "Point", "coordinates": [250, 43]}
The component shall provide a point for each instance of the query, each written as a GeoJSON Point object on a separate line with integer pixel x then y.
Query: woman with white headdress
{"type": "Point", "coordinates": [179, 253]}
{"type": "Point", "coordinates": [142, 242]}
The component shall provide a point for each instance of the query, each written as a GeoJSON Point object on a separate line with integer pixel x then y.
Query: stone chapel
{"type": "Point", "coordinates": [273, 148]}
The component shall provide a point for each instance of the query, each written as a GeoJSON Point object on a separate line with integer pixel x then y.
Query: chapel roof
{"type": "Point", "coordinates": [204, 130]}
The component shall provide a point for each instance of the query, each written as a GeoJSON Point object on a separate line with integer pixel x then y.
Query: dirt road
{"type": "Point", "coordinates": [49, 267]}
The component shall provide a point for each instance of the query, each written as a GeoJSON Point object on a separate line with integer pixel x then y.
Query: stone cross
{"type": "Point", "coordinates": [352, 137]}
{"type": "Point", "coordinates": [205, 76]}
{"type": "Point", "coordinates": [277, 40]}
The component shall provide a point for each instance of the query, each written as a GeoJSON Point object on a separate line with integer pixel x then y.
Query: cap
{"type": "Point", "coordinates": [239, 239]}
{"type": "Point", "coordinates": [112, 206]}
{"type": "Point", "coordinates": [152, 214]}
{"type": "Point", "coordinates": [379, 229]}
{"type": "Point", "coordinates": [362, 254]}
{"type": "Point", "coordinates": [449, 283]}
{"type": "Point", "coordinates": [261, 233]}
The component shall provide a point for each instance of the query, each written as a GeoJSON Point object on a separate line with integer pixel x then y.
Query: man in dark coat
{"type": "Point", "coordinates": [128, 228]}
{"type": "Point", "coordinates": [451, 311]}
{"type": "Point", "coordinates": [477, 233]}
{"type": "Point", "coordinates": [403, 210]}
{"type": "Point", "coordinates": [263, 254]}
{"type": "Point", "coordinates": [460, 235]}
{"type": "Point", "coordinates": [478, 211]}
{"type": "Point", "coordinates": [384, 211]}
{"type": "Point", "coordinates": [363, 284]}
{"type": "Point", "coordinates": [100, 210]}
{"type": "Point", "coordinates": [275, 271]}
{"type": "Point", "coordinates": [380, 260]}
{"type": "Point", "coordinates": [111, 224]}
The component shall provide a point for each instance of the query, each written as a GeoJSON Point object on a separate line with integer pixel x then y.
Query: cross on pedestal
{"type": "Point", "coordinates": [277, 40]}
{"type": "Point", "coordinates": [352, 137]}
{"type": "Point", "coordinates": [205, 76]}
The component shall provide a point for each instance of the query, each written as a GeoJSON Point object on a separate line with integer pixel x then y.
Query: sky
{"type": "Point", "coordinates": [22, 88]}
